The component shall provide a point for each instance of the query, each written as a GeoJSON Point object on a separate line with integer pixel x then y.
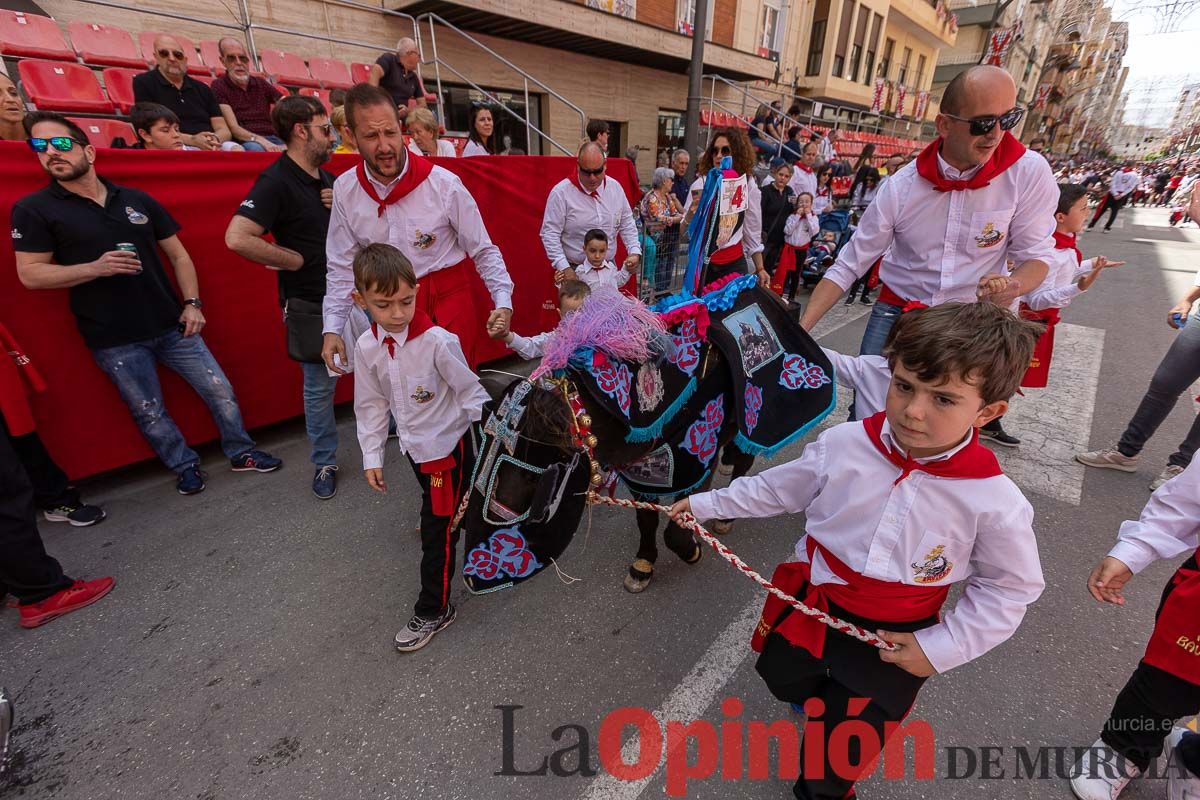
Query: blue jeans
{"type": "Point", "coordinates": [318, 414]}
{"type": "Point", "coordinates": [883, 317]}
{"type": "Point", "coordinates": [134, 370]}
{"type": "Point", "coordinates": [255, 147]}
{"type": "Point", "coordinates": [1178, 370]}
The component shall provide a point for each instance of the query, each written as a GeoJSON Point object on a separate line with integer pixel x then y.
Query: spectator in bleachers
{"type": "Point", "coordinates": [826, 150]}
{"type": "Point", "coordinates": [345, 138]}
{"type": "Point", "coordinates": [576, 205]}
{"type": "Point", "coordinates": [481, 132]}
{"type": "Point", "coordinates": [245, 101]}
{"type": "Point", "coordinates": [12, 111]}
{"type": "Point", "coordinates": [764, 130]}
{"type": "Point", "coordinates": [823, 196]}
{"type": "Point", "coordinates": [863, 162]}
{"type": "Point", "coordinates": [423, 135]}
{"type": "Point", "coordinates": [793, 148]}
{"type": "Point", "coordinates": [337, 97]}
{"type": "Point", "coordinates": [597, 131]}
{"type": "Point", "coordinates": [168, 84]}
{"type": "Point", "coordinates": [890, 167]}
{"type": "Point", "coordinates": [291, 200]}
{"type": "Point", "coordinates": [680, 161]}
{"type": "Point", "coordinates": [397, 74]}
{"type": "Point", "coordinates": [124, 304]}
{"type": "Point", "coordinates": [156, 127]}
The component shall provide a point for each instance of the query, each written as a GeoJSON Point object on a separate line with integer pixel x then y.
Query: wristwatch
{"type": "Point", "coordinates": [194, 302]}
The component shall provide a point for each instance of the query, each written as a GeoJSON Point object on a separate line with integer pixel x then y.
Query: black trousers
{"type": "Point", "coordinates": [25, 568]}
{"type": "Point", "coordinates": [850, 670]}
{"type": "Point", "coordinates": [1112, 206]}
{"type": "Point", "coordinates": [438, 541]}
{"type": "Point", "coordinates": [860, 285]}
{"type": "Point", "coordinates": [771, 253]}
{"type": "Point", "coordinates": [50, 485]}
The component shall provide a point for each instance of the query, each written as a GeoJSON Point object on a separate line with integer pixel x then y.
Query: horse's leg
{"type": "Point", "coordinates": [741, 464]}
{"type": "Point", "coordinates": [681, 541]}
{"type": "Point", "coordinates": [642, 568]}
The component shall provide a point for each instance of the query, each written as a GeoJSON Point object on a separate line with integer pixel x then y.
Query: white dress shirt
{"type": "Point", "coordinates": [825, 150]}
{"type": "Point", "coordinates": [867, 376]}
{"type": "Point", "coordinates": [427, 387]}
{"type": "Point", "coordinates": [844, 486]}
{"type": "Point", "coordinates": [528, 347]}
{"type": "Point", "coordinates": [607, 275]}
{"type": "Point", "coordinates": [474, 148]}
{"type": "Point", "coordinates": [1123, 183]}
{"type": "Point", "coordinates": [802, 181]}
{"type": "Point", "coordinates": [936, 246]}
{"type": "Point", "coordinates": [444, 148]}
{"type": "Point", "coordinates": [440, 208]}
{"type": "Point", "coordinates": [571, 213]}
{"type": "Point", "coordinates": [1169, 525]}
{"type": "Point", "coordinates": [823, 202]}
{"type": "Point", "coordinates": [1062, 282]}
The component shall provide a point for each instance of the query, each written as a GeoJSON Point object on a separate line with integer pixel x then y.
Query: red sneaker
{"type": "Point", "coordinates": [73, 598]}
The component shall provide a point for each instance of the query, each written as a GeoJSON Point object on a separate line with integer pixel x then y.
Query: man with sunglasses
{"type": "Point", "coordinates": [245, 100]}
{"type": "Point", "coordinates": [101, 241]}
{"type": "Point", "coordinates": [587, 200]}
{"type": "Point", "coordinates": [168, 84]}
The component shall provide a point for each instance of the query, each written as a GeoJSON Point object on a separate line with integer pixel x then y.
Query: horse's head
{"type": "Point", "coordinates": [529, 487]}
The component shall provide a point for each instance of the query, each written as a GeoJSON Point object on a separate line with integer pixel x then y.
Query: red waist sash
{"type": "Point", "coordinates": [1038, 373]}
{"type": "Point", "coordinates": [1174, 646]}
{"type": "Point", "coordinates": [886, 295]}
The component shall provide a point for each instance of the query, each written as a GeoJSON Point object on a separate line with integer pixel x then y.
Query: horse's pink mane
{"type": "Point", "coordinates": [612, 323]}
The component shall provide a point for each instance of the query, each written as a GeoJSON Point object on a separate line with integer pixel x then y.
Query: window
{"type": "Point", "coordinates": [921, 60]}
{"type": "Point", "coordinates": [685, 11]}
{"type": "Point", "coordinates": [860, 38]}
{"type": "Point", "coordinates": [1033, 57]}
{"type": "Point", "coordinates": [816, 42]}
{"type": "Point", "coordinates": [770, 28]}
{"type": "Point", "coordinates": [456, 104]}
{"type": "Point", "coordinates": [671, 126]}
{"type": "Point", "coordinates": [855, 59]}
{"type": "Point", "coordinates": [872, 46]}
{"type": "Point", "coordinates": [902, 73]}
{"type": "Point", "coordinates": [885, 63]}
{"type": "Point", "coordinates": [843, 40]}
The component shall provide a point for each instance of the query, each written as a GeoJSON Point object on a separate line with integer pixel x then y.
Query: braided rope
{"type": "Point", "coordinates": [689, 522]}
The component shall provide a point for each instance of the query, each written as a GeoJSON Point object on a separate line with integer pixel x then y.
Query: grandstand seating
{"type": "Point", "coordinates": [32, 36]}
{"type": "Point", "coordinates": [196, 64]}
{"type": "Point", "coordinates": [332, 74]}
{"type": "Point", "coordinates": [207, 80]}
{"type": "Point", "coordinates": [360, 72]}
{"type": "Point", "coordinates": [320, 94]}
{"type": "Point", "coordinates": [119, 85]}
{"type": "Point", "coordinates": [101, 132]}
{"type": "Point", "coordinates": [104, 45]}
{"type": "Point", "coordinates": [287, 68]}
{"type": "Point", "coordinates": [61, 86]}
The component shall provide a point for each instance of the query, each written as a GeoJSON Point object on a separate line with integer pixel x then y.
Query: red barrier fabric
{"type": "Point", "coordinates": [82, 419]}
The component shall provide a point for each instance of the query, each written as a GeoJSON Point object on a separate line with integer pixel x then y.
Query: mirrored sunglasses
{"type": "Point", "coordinates": [63, 144]}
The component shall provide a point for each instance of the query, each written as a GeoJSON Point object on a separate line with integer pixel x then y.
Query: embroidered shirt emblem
{"type": "Point", "coordinates": [422, 395]}
{"type": "Point", "coordinates": [135, 216]}
{"type": "Point", "coordinates": [934, 568]}
{"type": "Point", "coordinates": [989, 237]}
{"type": "Point", "coordinates": [424, 241]}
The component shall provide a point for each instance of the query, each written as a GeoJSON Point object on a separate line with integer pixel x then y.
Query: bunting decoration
{"type": "Point", "coordinates": [998, 44]}
{"type": "Point", "coordinates": [901, 92]}
{"type": "Point", "coordinates": [1043, 94]}
{"type": "Point", "coordinates": [877, 96]}
{"type": "Point", "coordinates": [954, 23]}
{"type": "Point", "coordinates": [684, 27]}
{"type": "Point", "coordinates": [940, 8]}
{"type": "Point", "coordinates": [922, 104]}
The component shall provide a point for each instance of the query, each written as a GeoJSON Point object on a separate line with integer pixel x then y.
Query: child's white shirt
{"type": "Point", "coordinates": [1061, 285]}
{"type": "Point", "coordinates": [867, 376]}
{"type": "Point", "coordinates": [528, 347]}
{"type": "Point", "coordinates": [607, 274]}
{"type": "Point", "coordinates": [799, 229]}
{"type": "Point", "coordinates": [1168, 526]}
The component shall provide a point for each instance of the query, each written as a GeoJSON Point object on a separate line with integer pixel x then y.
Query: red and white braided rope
{"type": "Point", "coordinates": [691, 524]}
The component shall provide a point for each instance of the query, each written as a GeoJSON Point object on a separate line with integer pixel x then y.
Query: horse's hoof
{"type": "Point", "coordinates": [720, 527]}
{"type": "Point", "coordinates": [638, 578]}
{"type": "Point", "coordinates": [695, 556]}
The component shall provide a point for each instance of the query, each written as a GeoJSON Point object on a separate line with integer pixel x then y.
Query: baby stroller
{"type": "Point", "coordinates": [822, 252]}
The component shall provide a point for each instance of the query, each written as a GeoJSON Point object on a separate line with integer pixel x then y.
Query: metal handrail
{"type": "Point", "coordinates": [438, 63]}
{"type": "Point", "coordinates": [747, 94]}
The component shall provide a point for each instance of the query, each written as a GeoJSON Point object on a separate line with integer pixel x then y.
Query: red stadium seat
{"type": "Point", "coordinates": [119, 85]}
{"type": "Point", "coordinates": [196, 64]}
{"type": "Point", "coordinates": [332, 74]}
{"type": "Point", "coordinates": [705, 116]}
{"type": "Point", "coordinates": [211, 54]}
{"type": "Point", "coordinates": [360, 72]}
{"type": "Point", "coordinates": [104, 45]}
{"type": "Point", "coordinates": [101, 132]}
{"type": "Point", "coordinates": [320, 94]}
{"type": "Point", "coordinates": [287, 68]}
{"type": "Point", "coordinates": [32, 36]}
{"type": "Point", "coordinates": [59, 86]}
{"type": "Point", "coordinates": [207, 80]}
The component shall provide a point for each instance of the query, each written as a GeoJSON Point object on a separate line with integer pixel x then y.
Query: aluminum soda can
{"type": "Point", "coordinates": [130, 247]}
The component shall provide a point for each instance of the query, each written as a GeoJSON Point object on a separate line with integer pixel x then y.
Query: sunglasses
{"type": "Point", "coordinates": [981, 126]}
{"type": "Point", "coordinates": [592, 172]}
{"type": "Point", "coordinates": [242, 59]}
{"type": "Point", "coordinates": [63, 144]}
{"type": "Point", "coordinates": [178, 54]}
{"type": "Point", "coordinates": [327, 127]}
{"type": "Point", "coordinates": [724, 151]}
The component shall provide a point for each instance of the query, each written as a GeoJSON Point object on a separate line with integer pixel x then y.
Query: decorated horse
{"type": "Point", "coordinates": [646, 397]}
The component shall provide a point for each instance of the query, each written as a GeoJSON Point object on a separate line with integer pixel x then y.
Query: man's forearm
{"type": "Point", "coordinates": [264, 252]}
{"type": "Point", "coordinates": [185, 275]}
{"type": "Point", "coordinates": [54, 276]}
{"type": "Point", "coordinates": [819, 302]}
{"type": "Point", "coordinates": [1031, 274]}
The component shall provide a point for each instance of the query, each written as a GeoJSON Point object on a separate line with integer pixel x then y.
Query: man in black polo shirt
{"type": "Point", "coordinates": [291, 201]}
{"type": "Point", "coordinates": [168, 84]}
{"type": "Point", "coordinates": [67, 236]}
{"type": "Point", "coordinates": [396, 73]}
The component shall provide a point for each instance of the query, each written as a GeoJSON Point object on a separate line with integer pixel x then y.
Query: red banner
{"type": "Point", "coordinates": [921, 104]}
{"type": "Point", "coordinates": [877, 96]}
{"type": "Point", "coordinates": [1043, 94]}
{"type": "Point", "coordinates": [901, 92]}
{"type": "Point", "coordinates": [82, 418]}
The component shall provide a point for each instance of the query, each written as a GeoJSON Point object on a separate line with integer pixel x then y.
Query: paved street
{"type": "Point", "coordinates": [246, 651]}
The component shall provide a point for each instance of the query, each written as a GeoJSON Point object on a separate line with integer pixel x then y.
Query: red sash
{"type": "Point", "coordinates": [1007, 153]}
{"type": "Point", "coordinates": [446, 296]}
{"type": "Point", "coordinates": [1174, 646]}
{"type": "Point", "coordinates": [789, 260]}
{"type": "Point", "coordinates": [886, 295]}
{"type": "Point", "coordinates": [418, 170]}
{"type": "Point", "coordinates": [18, 379]}
{"type": "Point", "coordinates": [1038, 373]}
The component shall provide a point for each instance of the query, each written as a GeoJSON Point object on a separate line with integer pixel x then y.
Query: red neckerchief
{"type": "Point", "coordinates": [1066, 241]}
{"type": "Point", "coordinates": [1007, 153]}
{"type": "Point", "coordinates": [972, 461]}
{"type": "Point", "coordinates": [418, 171]}
{"type": "Point", "coordinates": [574, 178]}
{"type": "Point", "coordinates": [1126, 169]}
{"type": "Point", "coordinates": [822, 191]}
{"type": "Point", "coordinates": [804, 167]}
{"type": "Point", "coordinates": [416, 326]}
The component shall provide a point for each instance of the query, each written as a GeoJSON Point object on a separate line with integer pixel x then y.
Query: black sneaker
{"type": "Point", "coordinates": [191, 480]}
{"type": "Point", "coordinates": [255, 461]}
{"type": "Point", "coordinates": [849, 299]}
{"type": "Point", "coordinates": [324, 483]}
{"type": "Point", "coordinates": [417, 633]}
{"type": "Point", "coordinates": [80, 516]}
{"type": "Point", "coordinates": [997, 435]}
{"type": "Point", "coordinates": [866, 300]}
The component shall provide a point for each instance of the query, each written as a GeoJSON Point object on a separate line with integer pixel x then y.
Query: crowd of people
{"type": "Point", "coordinates": [971, 242]}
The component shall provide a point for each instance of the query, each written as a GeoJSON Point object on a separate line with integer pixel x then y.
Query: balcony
{"type": "Point", "coordinates": [919, 18]}
{"type": "Point", "coordinates": [571, 26]}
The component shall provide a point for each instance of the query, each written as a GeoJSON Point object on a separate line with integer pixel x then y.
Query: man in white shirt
{"type": "Point", "coordinates": [826, 151]}
{"type": "Point", "coordinates": [576, 205]}
{"type": "Point", "coordinates": [1120, 188]}
{"type": "Point", "coordinates": [804, 179]}
{"type": "Point", "coordinates": [399, 198]}
{"type": "Point", "coordinates": [955, 216]}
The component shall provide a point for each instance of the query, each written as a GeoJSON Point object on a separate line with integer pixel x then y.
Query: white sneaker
{"type": "Point", "coordinates": [1181, 784]}
{"type": "Point", "coordinates": [1102, 773]}
{"type": "Point", "coordinates": [1170, 472]}
{"type": "Point", "coordinates": [1109, 459]}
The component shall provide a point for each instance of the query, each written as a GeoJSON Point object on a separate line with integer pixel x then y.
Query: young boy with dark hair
{"type": "Point", "coordinates": [571, 295]}
{"type": "Point", "coordinates": [156, 127]}
{"type": "Point", "coordinates": [899, 506]}
{"type": "Point", "coordinates": [598, 271]}
{"type": "Point", "coordinates": [415, 371]}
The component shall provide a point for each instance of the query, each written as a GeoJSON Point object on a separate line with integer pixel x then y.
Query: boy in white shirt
{"type": "Point", "coordinates": [415, 371]}
{"type": "Point", "coordinates": [571, 295]}
{"type": "Point", "coordinates": [1166, 684]}
{"type": "Point", "coordinates": [899, 507]}
{"type": "Point", "coordinates": [598, 271]}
